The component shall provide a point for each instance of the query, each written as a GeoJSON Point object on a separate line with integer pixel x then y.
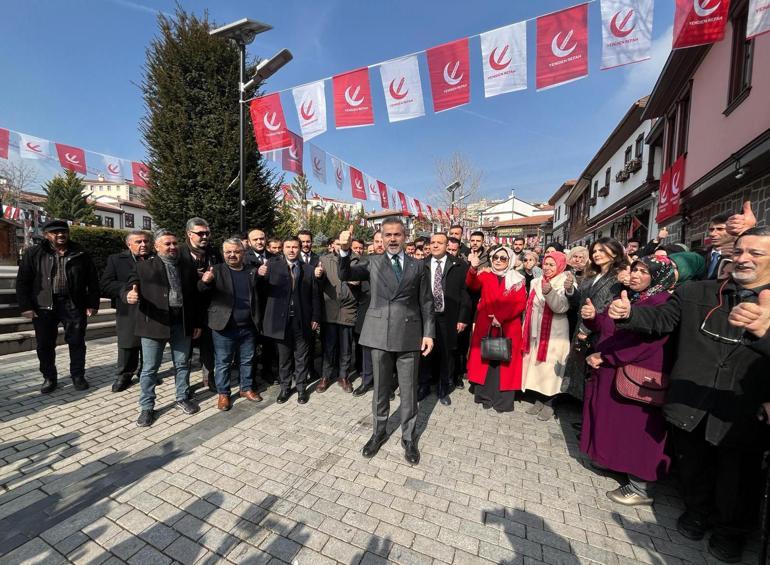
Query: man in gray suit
{"type": "Point", "coordinates": [399, 324]}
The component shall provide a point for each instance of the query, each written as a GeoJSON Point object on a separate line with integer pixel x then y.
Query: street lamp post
{"type": "Point", "coordinates": [243, 32]}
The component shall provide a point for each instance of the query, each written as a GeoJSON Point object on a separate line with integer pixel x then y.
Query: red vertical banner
{"type": "Point", "coordinates": [269, 123]}
{"type": "Point", "coordinates": [430, 212]}
{"type": "Point", "coordinates": [357, 184]}
{"type": "Point", "coordinates": [419, 209]}
{"type": "Point", "coordinates": [291, 159]}
{"type": "Point", "coordinates": [677, 182]}
{"type": "Point", "coordinates": [5, 141]}
{"type": "Point", "coordinates": [383, 194]}
{"type": "Point", "coordinates": [698, 22]}
{"type": "Point", "coordinates": [141, 174]}
{"type": "Point", "coordinates": [450, 74]}
{"type": "Point", "coordinates": [72, 158]}
{"type": "Point", "coordinates": [562, 47]}
{"type": "Point", "coordinates": [404, 205]}
{"type": "Point", "coordinates": [353, 99]}
{"type": "Point", "coordinates": [668, 206]}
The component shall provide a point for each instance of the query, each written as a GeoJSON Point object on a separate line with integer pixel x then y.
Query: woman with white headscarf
{"type": "Point", "coordinates": [502, 301]}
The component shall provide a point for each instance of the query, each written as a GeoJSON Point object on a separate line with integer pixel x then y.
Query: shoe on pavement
{"type": "Point", "coordinates": [445, 400]}
{"type": "Point", "coordinates": [411, 453]}
{"type": "Point", "coordinates": [49, 385]}
{"type": "Point", "coordinates": [535, 408]}
{"type": "Point", "coordinates": [691, 527]}
{"type": "Point", "coordinates": [726, 548]}
{"type": "Point", "coordinates": [251, 395]}
{"type": "Point", "coordinates": [121, 383]}
{"type": "Point", "coordinates": [302, 397]}
{"type": "Point", "coordinates": [146, 418]}
{"type": "Point", "coordinates": [223, 402]}
{"type": "Point", "coordinates": [187, 406]}
{"type": "Point", "coordinates": [283, 396]}
{"type": "Point", "coordinates": [80, 383]}
{"type": "Point", "coordinates": [422, 393]}
{"type": "Point", "coordinates": [545, 414]}
{"type": "Point", "coordinates": [322, 385]}
{"type": "Point", "coordinates": [362, 390]}
{"type": "Point", "coordinates": [345, 384]}
{"type": "Point", "coordinates": [373, 445]}
{"type": "Point", "coordinates": [625, 495]}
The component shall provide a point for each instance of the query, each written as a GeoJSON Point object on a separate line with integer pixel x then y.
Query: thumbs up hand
{"type": "Point", "coordinates": [739, 223]}
{"type": "Point", "coordinates": [620, 308]}
{"type": "Point", "coordinates": [262, 271]}
{"type": "Point", "coordinates": [132, 297]}
{"type": "Point", "coordinates": [208, 276]}
{"type": "Point", "coordinates": [754, 318]}
{"type": "Point", "coordinates": [346, 237]}
{"type": "Point", "coordinates": [319, 271]}
{"type": "Point", "coordinates": [474, 259]}
{"type": "Point", "coordinates": [588, 312]}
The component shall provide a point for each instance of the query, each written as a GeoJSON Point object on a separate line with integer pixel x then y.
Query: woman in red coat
{"type": "Point", "coordinates": [503, 298]}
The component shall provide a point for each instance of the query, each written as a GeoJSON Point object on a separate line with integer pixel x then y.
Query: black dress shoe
{"type": "Point", "coordinates": [411, 453]}
{"type": "Point", "coordinates": [362, 390]}
{"type": "Point", "coordinates": [187, 406]}
{"type": "Point", "coordinates": [146, 418]}
{"type": "Point", "coordinates": [373, 445]}
{"type": "Point", "coordinates": [726, 548]}
{"type": "Point", "coordinates": [302, 397]}
{"type": "Point", "coordinates": [79, 383]}
{"type": "Point", "coordinates": [49, 385]}
{"type": "Point", "coordinates": [121, 384]}
{"type": "Point", "coordinates": [445, 400]}
{"type": "Point", "coordinates": [283, 397]}
{"type": "Point", "coordinates": [691, 527]}
{"type": "Point", "coordinates": [459, 384]}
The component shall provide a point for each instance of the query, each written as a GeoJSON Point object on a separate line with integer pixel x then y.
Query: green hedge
{"type": "Point", "coordinates": [100, 243]}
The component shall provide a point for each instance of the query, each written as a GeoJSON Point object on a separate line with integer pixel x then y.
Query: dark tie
{"type": "Point", "coordinates": [397, 267]}
{"type": "Point", "coordinates": [293, 272]}
{"type": "Point", "coordinates": [438, 291]}
{"type": "Point", "coordinates": [715, 256]}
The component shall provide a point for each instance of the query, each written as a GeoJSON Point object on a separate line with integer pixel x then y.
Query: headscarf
{"type": "Point", "coordinates": [545, 323]}
{"type": "Point", "coordinates": [561, 263]}
{"type": "Point", "coordinates": [690, 265]}
{"type": "Point", "coordinates": [513, 278]}
{"type": "Point", "coordinates": [663, 276]}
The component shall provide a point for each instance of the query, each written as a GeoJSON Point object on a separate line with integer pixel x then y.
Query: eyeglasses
{"type": "Point", "coordinates": [502, 258]}
{"type": "Point", "coordinates": [201, 233]}
{"type": "Point", "coordinates": [716, 336]}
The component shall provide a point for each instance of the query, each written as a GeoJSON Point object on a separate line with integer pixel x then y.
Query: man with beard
{"type": "Point", "coordinates": [256, 251]}
{"type": "Point", "coordinates": [477, 246]}
{"type": "Point", "coordinates": [257, 255]}
{"type": "Point", "coordinates": [120, 267]}
{"type": "Point", "coordinates": [719, 392]}
{"type": "Point", "coordinates": [199, 254]}
{"type": "Point", "coordinates": [307, 255]}
{"type": "Point", "coordinates": [456, 231]}
{"type": "Point", "coordinates": [165, 288]}
{"type": "Point", "coordinates": [57, 283]}
{"type": "Point", "coordinates": [274, 246]}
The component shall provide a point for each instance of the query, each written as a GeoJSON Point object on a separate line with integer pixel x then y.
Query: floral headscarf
{"type": "Point", "coordinates": [561, 263]}
{"type": "Point", "coordinates": [663, 274]}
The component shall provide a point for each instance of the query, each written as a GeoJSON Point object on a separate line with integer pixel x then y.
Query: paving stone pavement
{"type": "Point", "coordinates": [264, 483]}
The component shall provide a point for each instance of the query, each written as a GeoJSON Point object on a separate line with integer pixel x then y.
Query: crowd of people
{"type": "Point", "coordinates": [666, 348]}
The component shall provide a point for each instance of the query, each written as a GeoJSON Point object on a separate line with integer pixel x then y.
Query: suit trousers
{"type": "Point", "coordinates": [338, 342]}
{"type": "Point", "coordinates": [406, 364]}
{"type": "Point", "coordinates": [293, 350]}
{"type": "Point", "coordinates": [129, 360]}
{"type": "Point", "coordinates": [720, 483]}
{"type": "Point", "coordinates": [439, 365]}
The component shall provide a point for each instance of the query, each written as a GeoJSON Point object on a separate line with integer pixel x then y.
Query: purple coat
{"type": "Point", "coordinates": [620, 434]}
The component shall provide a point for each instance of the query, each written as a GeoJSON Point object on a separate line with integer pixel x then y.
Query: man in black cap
{"type": "Point", "coordinates": [57, 284]}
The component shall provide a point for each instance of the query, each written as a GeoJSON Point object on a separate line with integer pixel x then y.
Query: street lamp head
{"type": "Point", "coordinates": [267, 68]}
{"type": "Point", "coordinates": [242, 32]}
{"type": "Point", "coordinates": [454, 186]}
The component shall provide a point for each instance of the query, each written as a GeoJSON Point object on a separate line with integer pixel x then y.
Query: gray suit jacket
{"type": "Point", "coordinates": [399, 314]}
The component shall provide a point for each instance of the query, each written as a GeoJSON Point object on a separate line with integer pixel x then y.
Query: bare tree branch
{"type": "Point", "coordinates": [457, 167]}
{"type": "Point", "coordinates": [19, 176]}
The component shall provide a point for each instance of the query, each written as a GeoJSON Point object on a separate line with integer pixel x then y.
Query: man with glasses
{"type": "Point", "coordinates": [719, 389]}
{"type": "Point", "coordinates": [201, 255]}
{"type": "Point", "coordinates": [120, 267]}
{"type": "Point", "coordinates": [57, 283]}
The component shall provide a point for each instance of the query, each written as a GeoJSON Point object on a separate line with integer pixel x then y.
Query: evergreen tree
{"type": "Point", "coordinates": [300, 190]}
{"type": "Point", "coordinates": [66, 201]}
{"type": "Point", "coordinates": [190, 130]}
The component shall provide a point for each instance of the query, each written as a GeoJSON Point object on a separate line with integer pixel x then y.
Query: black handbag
{"type": "Point", "coordinates": [495, 348]}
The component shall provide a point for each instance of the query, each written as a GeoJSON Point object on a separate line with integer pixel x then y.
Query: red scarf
{"type": "Point", "coordinates": [545, 324]}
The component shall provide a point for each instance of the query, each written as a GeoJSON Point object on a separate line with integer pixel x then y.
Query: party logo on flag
{"type": "Point", "coordinates": [372, 190]}
{"type": "Point", "coordinates": [450, 77]}
{"type": "Point", "coordinates": [699, 22]}
{"type": "Point", "coordinates": [430, 212]}
{"type": "Point", "coordinates": [318, 162]}
{"type": "Point", "coordinates": [626, 32]}
{"type": "Point", "coordinates": [72, 158]}
{"type": "Point", "coordinates": [418, 206]}
{"type": "Point", "coordinates": [33, 147]}
{"type": "Point", "coordinates": [141, 174]}
{"type": "Point", "coordinates": [562, 47]}
{"type": "Point", "coordinates": [5, 142]}
{"type": "Point", "coordinates": [759, 18]}
{"type": "Point", "coordinates": [292, 156]}
{"type": "Point", "coordinates": [352, 99]}
{"type": "Point", "coordinates": [269, 123]}
{"type": "Point", "coordinates": [504, 59]}
{"type": "Point", "coordinates": [339, 172]}
{"type": "Point", "coordinates": [357, 184]}
{"type": "Point", "coordinates": [113, 168]}
{"type": "Point", "coordinates": [403, 88]}
{"type": "Point", "coordinates": [404, 205]}
{"type": "Point", "coordinates": [383, 194]}
{"type": "Point", "coordinates": [311, 108]}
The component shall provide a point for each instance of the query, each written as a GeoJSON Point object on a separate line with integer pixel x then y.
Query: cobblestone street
{"type": "Point", "coordinates": [286, 484]}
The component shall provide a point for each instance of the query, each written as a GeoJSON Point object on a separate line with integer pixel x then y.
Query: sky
{"type": "Point", "coordinates": [70, 73]}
